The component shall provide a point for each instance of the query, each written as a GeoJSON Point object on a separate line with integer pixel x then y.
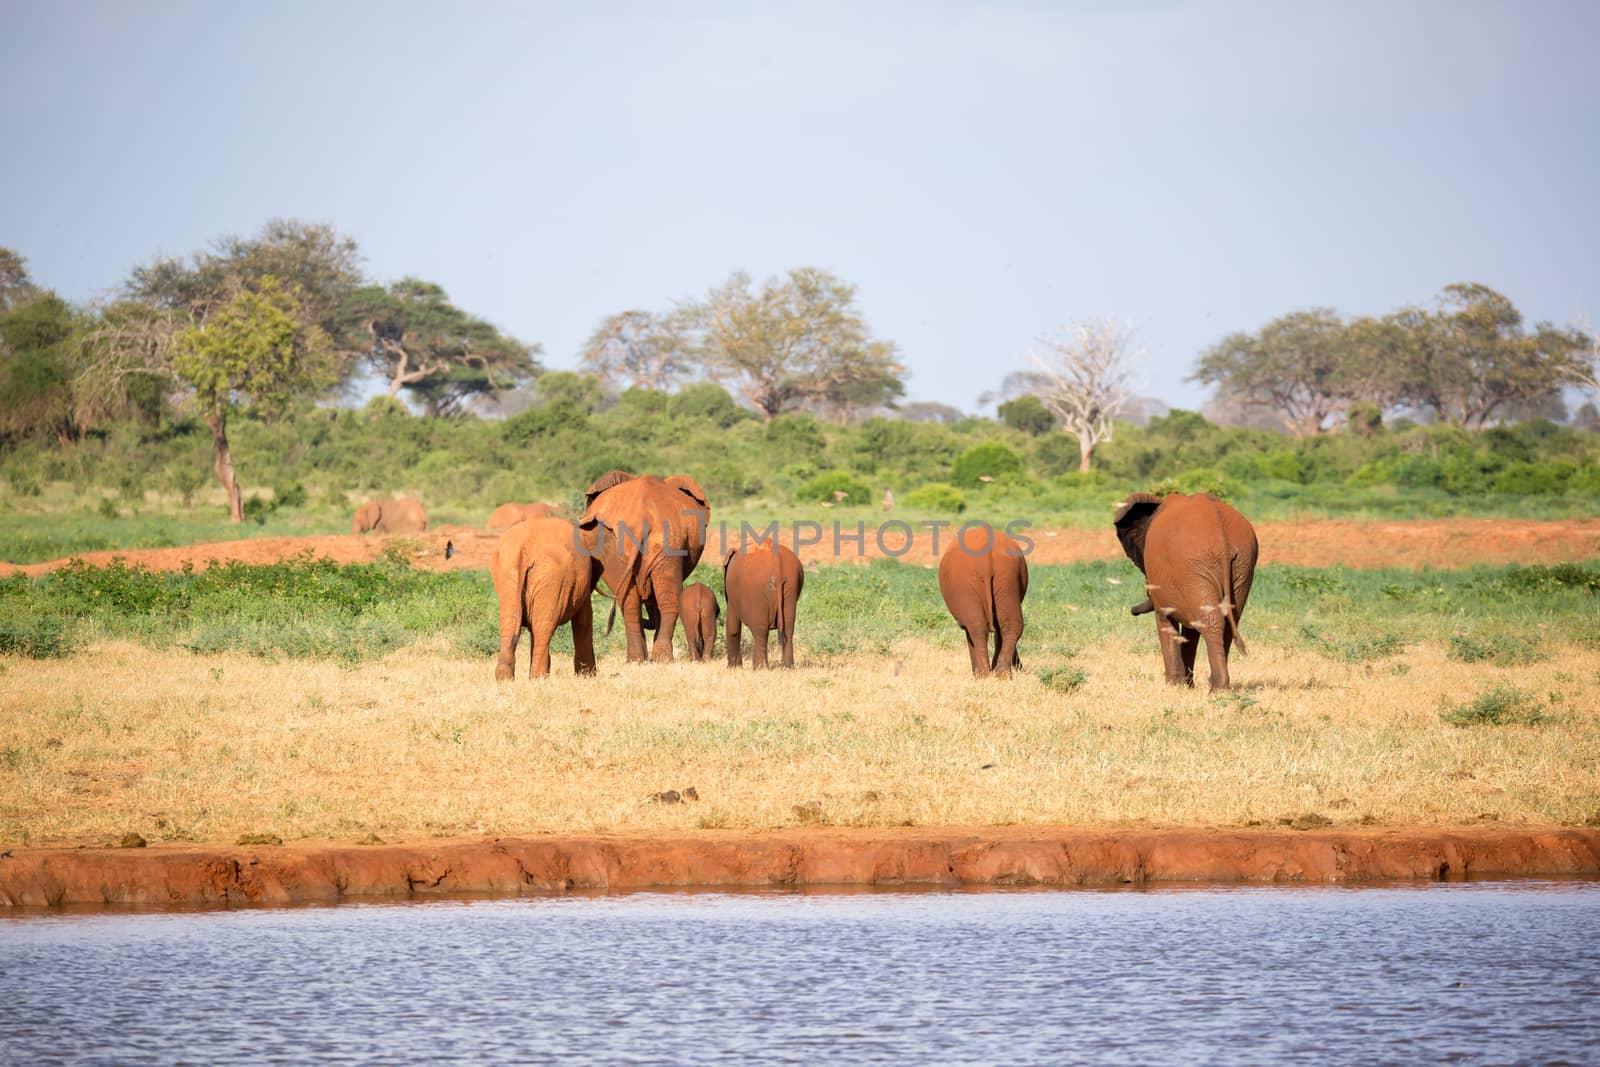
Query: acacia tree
{"type": "Point", "coordinates": [313, 260]}
{"type": "Point", "coordinates": [794, 342]}
{"type": "Point", "coordinates": [638, 349]}
{"type": "Point", "coordinates": [254, 352]}
{"type": "Point", "coordinates": [420, 341]}
{"type": "Point", "coordinates": [1307, 366]}
{"type": "Point", "coordinates": [1083, 375]}
{"type": "Point", "coordinates": [1469, 359]}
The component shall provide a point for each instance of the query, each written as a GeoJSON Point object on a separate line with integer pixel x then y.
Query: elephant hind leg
{"type": "Point", "coordinates": [758, 648]}
{"type": "Point", "coordinates": [730, 637]}
{"type": "Point", "coordinates": [583, 639]}
{"type": "Point", "coordinates": [978, 651]}
{"type": "Point", "coordinates": [1219, 642]}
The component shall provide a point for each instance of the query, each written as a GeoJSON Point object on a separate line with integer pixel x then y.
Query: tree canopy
{"type": "Point", "coordinates": [637, 349]}
{"type": "Point", "coordinates": [794, 343]}
{"type": "Point", "coordinates": [420, 341]}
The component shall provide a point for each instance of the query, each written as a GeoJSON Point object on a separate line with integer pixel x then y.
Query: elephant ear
{"type": "Point", "coordinates": [1132, 520]}
{"type": "Point", "coordinates": [727, 558]}
{"type": "Point", "coordinates": [686, 484]}
{"type": "Point", "coordinates": [604, 482]}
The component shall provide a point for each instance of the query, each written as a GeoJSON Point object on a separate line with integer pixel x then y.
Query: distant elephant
{"type": "Point", "coordinates": [543, 580]}
{"type": "Point", "coordinates": [390, 516]}
{"type": "Point", "coordinates": [1198, 556]}
{"type": "Point", "coordinates": [763, 584]}
{"type": "Point", "coordinates": [650, 534]}
{"type": "Point", "coordinates": [983, 577]}
{"type": "Point", "coordinates": [698, 611]}
{"type": "Point", "coordinates": [508, 515]}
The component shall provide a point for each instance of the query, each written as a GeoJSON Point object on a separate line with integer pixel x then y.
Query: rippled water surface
{"type": "Point", "coordinates": [1457, 973]}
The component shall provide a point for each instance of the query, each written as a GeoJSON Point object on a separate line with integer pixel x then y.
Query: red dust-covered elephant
{"type": "Point", "coordinates": [649, 534]}
{"type": "Point", "coordinates": [983, 577]}
{"type": "Point", "coordinates": [508, 515]}
{"type": "Point", "coordinates": [1198, 556]}
{"type": "Point", "coordinates": [543, 580]}
{"type": "Point", "coordinates": [390, 516]}
{"type": "Point", "coordinates": [762, 582]}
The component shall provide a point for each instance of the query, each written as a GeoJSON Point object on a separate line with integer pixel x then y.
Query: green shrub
{"type": "Point", "coordinates": [1500, 648]}
{"type": "Point", "coordinates": [825, 486]}
{"type": "Point", "coordinates": [1200, 480]}
{"type": "Point", "coordinates": [707, 400]}
{"type": "Point", "coordinates": [796, 435]}
{"type": "Point", "coordinates": [991, 460]}
{"type": "Point", "coordinates": [936, 496]}
{"type": "Point", "coordinates": [1063, 679]}
{"type": "Point", "coordinates": [1504, 705]}
{"type": "Point", "coordinates": [1357, 649]}
{"type": "Point", "coordinates": [1283, 465]}
{"type": "Point", "coordinates": [1535, 479]}
{"type": "Point", "coordinates": [1027, 414]}
{"type": "Point", "coordinates": [35, 636]}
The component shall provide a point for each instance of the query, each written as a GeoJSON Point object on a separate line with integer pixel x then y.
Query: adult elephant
{"type": "Point", "coordinates": [649, 534]}
{"type": "Point", "coordinates": [390, 516]}
{"type": "Point", "coordinates": [508, 515]}
{"type": "Point", "coordinates": [1198, 556]}
{"type": "Point", "coordinates": [983, 577]}
{"type": "Point", "coordinates": [543, 580]}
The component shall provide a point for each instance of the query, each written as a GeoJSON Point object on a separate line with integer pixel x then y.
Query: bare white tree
{"type": "Point", "coordinates": [1084, 375]}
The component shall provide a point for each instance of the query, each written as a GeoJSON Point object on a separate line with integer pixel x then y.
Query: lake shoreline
{"type": "Point", "coordinates": [222, 875]}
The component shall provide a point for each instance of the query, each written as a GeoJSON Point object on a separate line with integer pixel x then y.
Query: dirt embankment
{"type": "Point", "coordinates": [1440, 543]}
{"type": "Point", "coordinates": [222, 876]}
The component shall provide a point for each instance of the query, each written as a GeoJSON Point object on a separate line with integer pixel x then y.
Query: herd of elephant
{"type": "Point", "coordinates": [643, 536]}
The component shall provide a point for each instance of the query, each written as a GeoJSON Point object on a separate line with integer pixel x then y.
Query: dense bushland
{"type": "Point", "coordinates": [303, 472]}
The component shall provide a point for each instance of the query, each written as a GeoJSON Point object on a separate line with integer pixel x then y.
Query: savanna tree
{"type": "Point", "coordinates": [1307, 366]}
{"type": "Point", "coordinates": [421, 342]}
{"type": "Point", "coordinates": [1469, 360]}
{"type": "Point", "coordinates": [1083, 375]}
{"type": "Point", "coordinates": [253, 351]}
{"type": "Point", "coordinates": [794, 343]}
{"type": "Point", "coordinates": [637, 349]}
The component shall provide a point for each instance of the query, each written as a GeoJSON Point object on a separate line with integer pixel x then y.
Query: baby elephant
{"type": "Point", "coordinates": [1198, 556]}
{"type": "Point", "coordinates": [390, 517]}
{"type": "Point", "coordinates": [983, 577]}
{"type": "Point", "coordinates": [763, 585]}
{"type": "Point", "coordinates": [697, 612]}
{"type": "Point", "coordinates": [543, 580]}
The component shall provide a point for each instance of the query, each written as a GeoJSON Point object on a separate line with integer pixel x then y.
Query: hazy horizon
{"type": "Point", "coordinates": [982, 172]}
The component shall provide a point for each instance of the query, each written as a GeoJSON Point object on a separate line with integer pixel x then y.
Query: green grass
{"type": "Point", "coordinates": [305, 608]}
{"type": "Point", "coordinates": [1504, 705]}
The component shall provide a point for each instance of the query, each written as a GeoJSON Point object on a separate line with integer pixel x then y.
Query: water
{"type": "Point", "coordinates": [1491, 972]}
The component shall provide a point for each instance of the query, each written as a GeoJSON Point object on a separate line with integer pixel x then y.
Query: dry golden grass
{"type": "Point", "coordinates": [185, 747]}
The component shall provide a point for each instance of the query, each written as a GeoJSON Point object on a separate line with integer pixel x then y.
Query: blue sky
{"type": "Point", "coordinates": [983, 172]}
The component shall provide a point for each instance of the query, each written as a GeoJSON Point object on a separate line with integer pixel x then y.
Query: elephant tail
{"type": "Point", "coordinates": [1225, 603]}
{"type": "Point", "coordinates": [630, 563]}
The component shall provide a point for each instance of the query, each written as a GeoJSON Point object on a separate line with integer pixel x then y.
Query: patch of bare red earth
{"type": "Point", "coordinates": [1439, 543]}
{"type": "Point", "coordinates": [796, 859]}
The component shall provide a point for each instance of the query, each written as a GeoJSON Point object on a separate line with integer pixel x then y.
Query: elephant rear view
{"type": "Point", "coordinates": [698, 611]}
{"type": "Point", "coordinates": [762, 583]}
{"type": "Point", "coordinates": [1198, 556]}
{"type": "Point", "coordinates": [983, 577]}
{"type": "Point", "coordinates": [390, 517]}
{"type": "Point", "coordinates": [542, 581]}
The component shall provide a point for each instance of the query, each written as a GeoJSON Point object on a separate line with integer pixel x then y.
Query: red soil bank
{"type": "Point", "coordinates": [220, 876]}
